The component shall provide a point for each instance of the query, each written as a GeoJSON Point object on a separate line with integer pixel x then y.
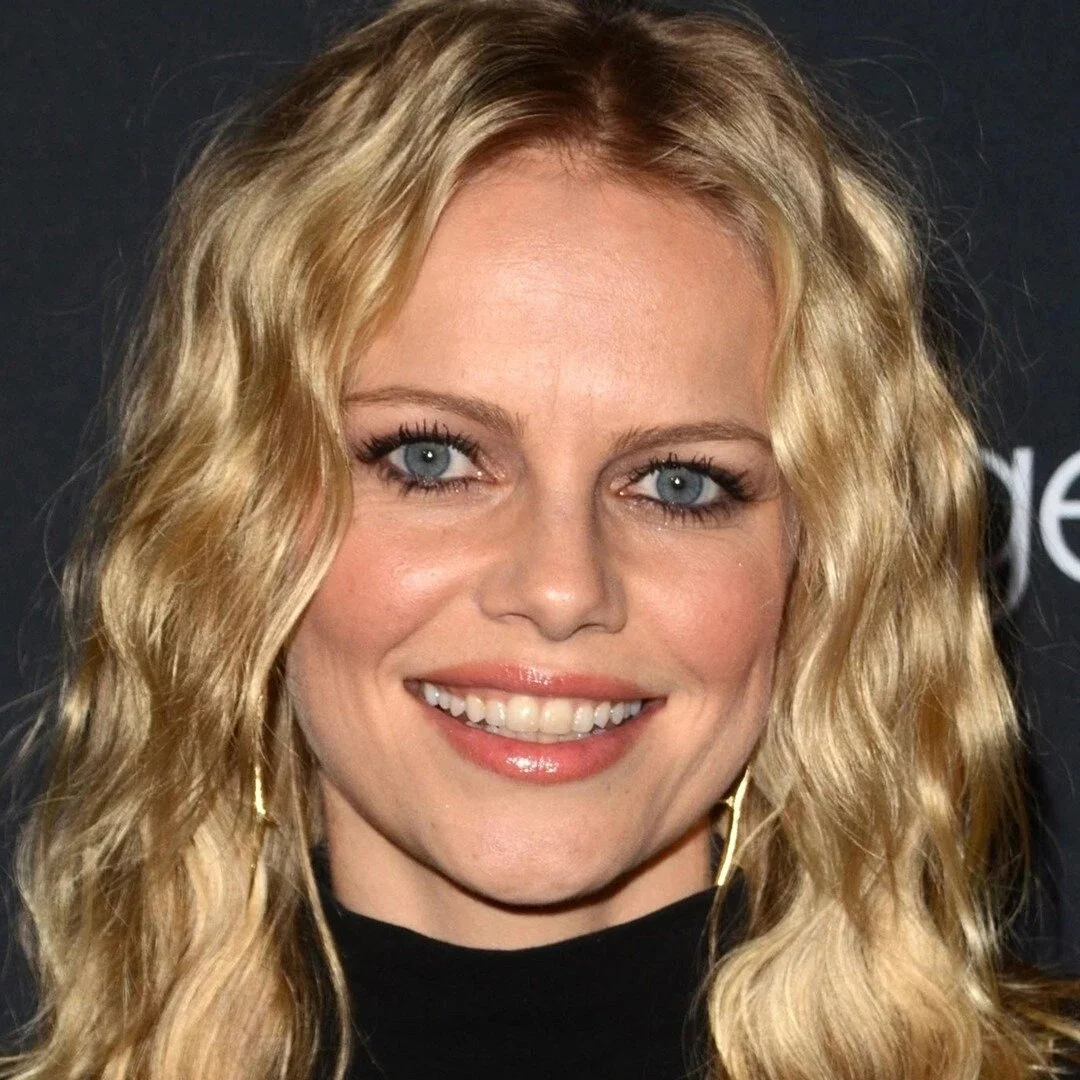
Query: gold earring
{"type": "Point", "coordinates": [734, 803]}
{"type": "Point", "coordinates": [260, 800]}
{"type": "Point", "coordinates": [262, 816]}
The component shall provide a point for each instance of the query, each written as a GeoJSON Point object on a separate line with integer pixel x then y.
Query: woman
{"type": "Point", "coordinates": [535, 496]}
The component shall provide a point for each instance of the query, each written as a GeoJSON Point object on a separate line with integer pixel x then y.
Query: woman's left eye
{"type": "Point", "coordinates": [679, 486]}
{"type": "Point", "coordinates": [689, 489]}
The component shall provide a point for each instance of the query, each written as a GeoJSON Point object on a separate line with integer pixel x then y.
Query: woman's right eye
{"type": "Point", "coordinates": [427, 458]}
{"type": "Point", "coordinates": [431, 462]}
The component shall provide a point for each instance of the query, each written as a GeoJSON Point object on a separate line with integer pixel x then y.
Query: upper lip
{"type": "Point", "coordinates": [514, 678]}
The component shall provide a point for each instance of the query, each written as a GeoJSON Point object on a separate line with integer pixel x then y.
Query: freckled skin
{"type": "Point", "coordinates": [584, 307]}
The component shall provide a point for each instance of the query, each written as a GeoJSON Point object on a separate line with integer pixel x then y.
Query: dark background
{"type": "Point", "coordinates": [105, 101]}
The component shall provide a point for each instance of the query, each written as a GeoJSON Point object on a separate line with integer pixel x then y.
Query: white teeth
{"type": "Point", "coordinates": [535, 719]}
{"type": "Point", "coordinates": [583, 718]}
{"type": "Point", "coordinates": [495, 714]}
{"type": "Point", "coordinates": [557, 716]}
{"type": "Point", "coordinates": [522, 714]}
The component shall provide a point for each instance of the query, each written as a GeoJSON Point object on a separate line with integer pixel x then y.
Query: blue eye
{"type": "Point", "coordinates": [682, 486]}
{"type": "Point", "coordinates": [423, 458]}
{"type": "Point", "coordinates": [695, 489]}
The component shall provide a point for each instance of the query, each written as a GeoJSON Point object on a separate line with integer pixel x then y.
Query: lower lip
{"type": "Point", "coordinates": [542, 763]}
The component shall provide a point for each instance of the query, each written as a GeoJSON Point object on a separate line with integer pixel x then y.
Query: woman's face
{"type": "Point", "coordinates": [564, 503]}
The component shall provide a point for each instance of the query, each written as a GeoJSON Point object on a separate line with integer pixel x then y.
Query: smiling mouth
{"type": "Point", "coordinates": [528, 717]}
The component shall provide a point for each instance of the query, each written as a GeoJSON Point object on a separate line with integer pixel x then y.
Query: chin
{"type": "Point", "coordinates": [545, 878]}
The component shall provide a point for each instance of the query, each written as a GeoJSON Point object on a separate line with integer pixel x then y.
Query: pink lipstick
{"type": "Point", "coordinates": [562, 757]}
{"type": "Point", "coordinates": [541, 682]}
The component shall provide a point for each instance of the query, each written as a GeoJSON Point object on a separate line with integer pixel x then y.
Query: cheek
{"type": "Point", "coordinates": [717, 611]}
{"type": "Point", "coordinates": [384, 584]}
{"type": "Point", "coordinates": [385, 581]}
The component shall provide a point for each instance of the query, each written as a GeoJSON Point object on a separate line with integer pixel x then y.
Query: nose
{"type": "Point", "coordinates": [551, 567]}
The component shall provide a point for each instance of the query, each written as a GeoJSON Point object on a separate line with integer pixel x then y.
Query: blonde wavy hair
{"type": "Point", "coordinates": [174, 937]}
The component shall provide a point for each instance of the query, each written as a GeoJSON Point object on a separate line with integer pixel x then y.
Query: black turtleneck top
{"type": "Point", "coordinates": [618, 1004]}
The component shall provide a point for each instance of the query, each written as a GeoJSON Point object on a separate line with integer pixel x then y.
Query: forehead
{"type": "Point", "coordinates": [581, 289]}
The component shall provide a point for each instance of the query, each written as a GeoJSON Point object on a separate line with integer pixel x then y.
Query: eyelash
{"type": "Point", "coordinates": [734, 485]}
{"type": "Point", "coordinates": [371, 452]}
{"type": "Point", "coordinates": [374, 450]}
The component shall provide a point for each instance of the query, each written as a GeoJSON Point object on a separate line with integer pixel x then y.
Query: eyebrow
{"type": "Point", "coordinates": [512, 426]}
